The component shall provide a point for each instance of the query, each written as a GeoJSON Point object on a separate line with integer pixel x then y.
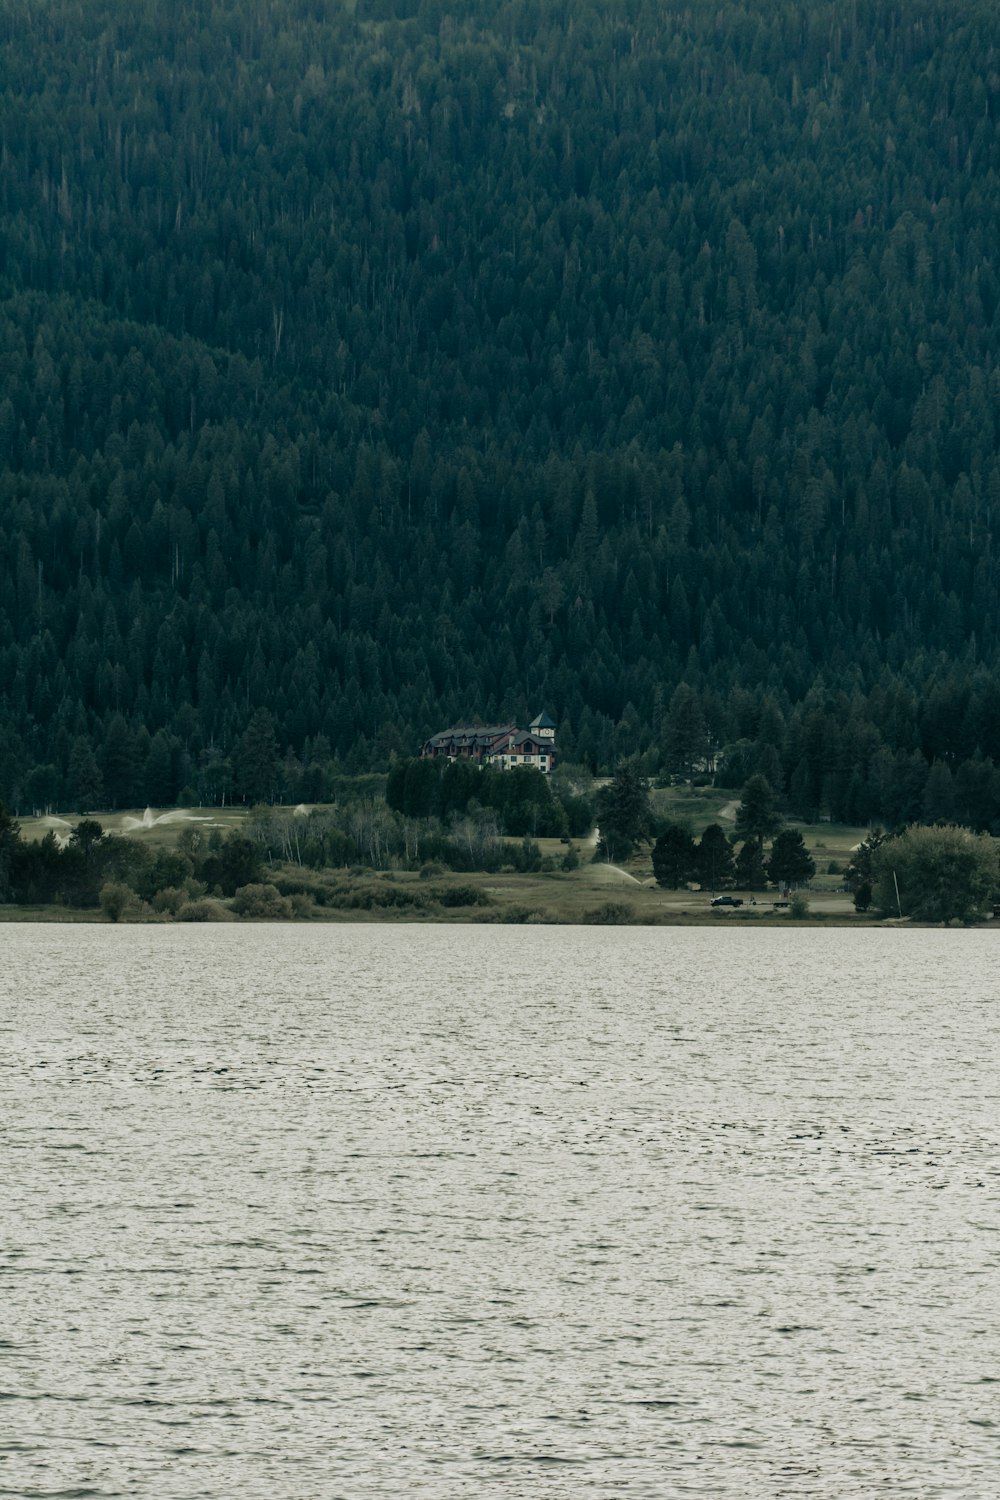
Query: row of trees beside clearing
{"type": "Point", "coordinates": [78, 872]}
{"type": "Point", "coordinates": [716, 861]}
{"type": "Point", "coordinates": [930, 873]}
{"type": "Point", "coordinates": [457, 831]}
{"type": "Point", "coordinates": [927, 873]}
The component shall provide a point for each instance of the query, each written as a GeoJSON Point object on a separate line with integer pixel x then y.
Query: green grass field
{"type": "Point", "coordinates": [593, 892]}
{"type": "Point", "coordinates": [130, 823]}
{"type": "Point", "coordinates": [697, 807]}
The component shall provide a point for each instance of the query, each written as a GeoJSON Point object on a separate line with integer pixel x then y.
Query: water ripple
{"type": "Point", "coordinates": [442, 1212]}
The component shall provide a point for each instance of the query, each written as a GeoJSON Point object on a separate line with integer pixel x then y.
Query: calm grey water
{"type": "Point", "coordinates": [413, 1211]}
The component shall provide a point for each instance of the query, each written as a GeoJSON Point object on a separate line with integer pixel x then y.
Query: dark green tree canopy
{"type": "Point", "coordinates": [624, 815]}
{"type": "Point", "coordinates": [257, 759]}
{"type": "Point", "coordinates": [687, 737]}
{"type": "Point", "coordinates": [675, 859]}
{"type": "Point", "coordinates": [715, 859]}
{"type": "Point", "coordinates": [757, 816]}
{"type": "Point", "coordinates": [861, 870]}
{"type": "Point", "coordinates": [9, 836]}
{"type": "Point", "coordinates": [522, 800]}
{"type": "Point", "coordinates": [789, 861]}
{"type": "Point", "coordinates": [941, 874]}
{"type": "Point", "coordinates": [748, 871]}
{"type": "Point", "coordinates": [376, 365]}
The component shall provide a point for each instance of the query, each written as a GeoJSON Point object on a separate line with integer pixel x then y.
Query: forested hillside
{"type": "Point", "coordinates": [364, 368]}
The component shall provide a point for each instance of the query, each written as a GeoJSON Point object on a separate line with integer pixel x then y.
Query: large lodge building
{"type": "Point", "coordinates": [502, 745]}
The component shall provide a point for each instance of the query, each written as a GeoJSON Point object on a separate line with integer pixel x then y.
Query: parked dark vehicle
{"type": "Point", "coordinates": [727, 901]}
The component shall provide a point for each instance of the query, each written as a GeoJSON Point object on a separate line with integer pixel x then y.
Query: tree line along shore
{"type": "Point", "coordinates": [656, 855]}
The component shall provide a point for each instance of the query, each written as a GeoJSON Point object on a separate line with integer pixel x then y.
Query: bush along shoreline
{"type": "Point", "coordinates": [368, 860]}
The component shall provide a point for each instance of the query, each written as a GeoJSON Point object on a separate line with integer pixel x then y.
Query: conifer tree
{"type": "Point", "coordinates": [757, 816]}
{"type": "Point", "coordinates": [789, 862]}
{"type": "Point", "coordinates": [674, 857]}
{"type": "Point", "coordinates": [623, 812]}
{"type": "Point", "coordinates": [714, 859]}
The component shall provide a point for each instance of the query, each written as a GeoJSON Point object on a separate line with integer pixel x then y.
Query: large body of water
{"type": "Point", "coordinates": [525, 1212]}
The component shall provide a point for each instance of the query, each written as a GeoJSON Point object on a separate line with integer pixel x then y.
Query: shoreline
{"type": "Point", "coordinates": [479, 917]}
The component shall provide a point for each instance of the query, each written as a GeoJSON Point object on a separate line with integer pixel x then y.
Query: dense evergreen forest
{"type": "Point", "coordinates": [368, 367]}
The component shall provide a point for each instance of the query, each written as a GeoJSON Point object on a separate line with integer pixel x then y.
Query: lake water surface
{"type": "Point", "coordinates": [351, 1211]}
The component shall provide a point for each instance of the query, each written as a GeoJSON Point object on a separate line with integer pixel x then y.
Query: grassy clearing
{"type": "Point", "coordinates": [696, 807]}
{"type": "Point", "coordinates": [592, 893]}
{"type": "Point", "coordinates": [159, 834]}
{"type": "Point", "coordinates": [51, 914]}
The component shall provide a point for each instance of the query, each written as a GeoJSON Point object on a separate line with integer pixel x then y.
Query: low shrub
{"type": "Point", "coordinates": [203, 911]}
{"type": "Point", "coordinates": [611, 913]}
{"type": "Point", "coordinates": [372, 897]}
{"type": "Point", "coordinates": [116, 899]}
{"type": "Point", "coordinates": [461, 895]}
{"type": "Point", "coordinates": [261, 903]}
{"type": "Point", "coordinates": [313, 890]}
{"type": "Point", "coordinates": [170, 899]}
